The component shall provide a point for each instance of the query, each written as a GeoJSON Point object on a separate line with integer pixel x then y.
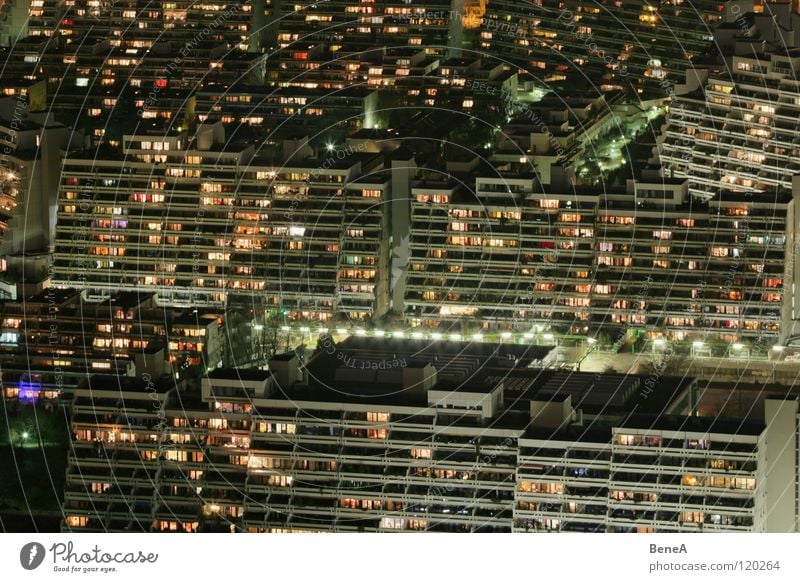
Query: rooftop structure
{"type": "Point", "coordinates": [408, 436]}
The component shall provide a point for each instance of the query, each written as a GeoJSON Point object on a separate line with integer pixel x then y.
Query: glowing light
{"type": "Point", "coordinates": [29, 388]}
{"type": "Point", "coordinates": [456, 337]}
{"type": "Point", "coordinates": [416, 335]}
{"type": "Point", "coordinates": [737, 346]}
{"type": "Point", "coordinates": [341, 331]}
{"type": "Point", "coordinates": [548, 337]}
{"type": "Point", "coordinates": [399, 335]}
{"type": "Point", "coordinates": [379, 333]}
{"type": "Point", "coordinates": [505, 335]}
{"type": "Point", "coordinates": [361, 332]}
{"type": "Point", "coordinates": [436, 336]}
{"type": "Point", "coordinates": [591, 341]}
{"type": "Point", "coordinates": [477, 337]}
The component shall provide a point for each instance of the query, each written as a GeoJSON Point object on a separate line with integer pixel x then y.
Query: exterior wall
{"type": "Point", "coordinates": [44, 348]}
{"type": "Point", "coordinates": [200, 226]}
{"type": "Point", "coordinates": [740, 133]}
{"type": "Point", "coordinates": [780, 468]}
{"type": "Point", "coordinates": [13, 21]}
{"type": "Point", "coordinates": [645, 258]}
{"type": "Point", "coordinates": [278, 465]}
{"type": "Point", "coordinates": [633, 41]}
{"type": "Point", "coordinates": [640, 481]}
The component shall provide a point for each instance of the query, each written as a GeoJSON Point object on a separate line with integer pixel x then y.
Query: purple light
{"type": "Point", "coordinates": [29, 391]}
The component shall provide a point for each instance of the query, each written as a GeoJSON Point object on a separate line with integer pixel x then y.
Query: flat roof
{"type": "Point", "coordinates": [243, 374]}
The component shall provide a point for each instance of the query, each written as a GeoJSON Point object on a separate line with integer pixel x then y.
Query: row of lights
{"type": "Point", "coordinates": [698, 345]}
{"type": "Point", "coordinates": [436, 336]}
{"type": "Point", "coordinates": [477, 337]}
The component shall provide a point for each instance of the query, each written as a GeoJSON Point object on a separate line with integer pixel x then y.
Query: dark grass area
{"type": "Point", "coordinates": [33, 459]}
{"type": "Point", "coordinates": [21, 523]}
{"type": "Point", "coordinates": [33, 477]}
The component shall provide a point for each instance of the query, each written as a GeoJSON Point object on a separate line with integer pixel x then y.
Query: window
{"type": "Point", "coordinates": [692, 517]}
{"type": "Point", "coordinates": [627, 440]}
{"type": "Point", "coordinates": [535, 487]}
{"type": "Point", "coordinates": [617, 219]}
{"type": "Point", "coordinates": [278, 427]}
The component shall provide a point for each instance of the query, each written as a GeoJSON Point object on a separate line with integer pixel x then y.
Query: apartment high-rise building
{"type": "Point", "coordinates": [400, 435]}
{"type": "Point", "coordinates": [52, 340]}
{"type": "Point", "coordinates": [732, 134]}
{"type": "Point", "coordinates": [112, 63]}
{"type": "Point", "coordinates": [13, 20]}
{"type": "Point", "coordinates": [606, 44]}
{"type": "Point", "coordinates": [502, 251]}
{"type": "Point", "coordinates": [737, 129]}
{"type": "Point", "coordinates": [31, 149]}
{"type": "Point", "coordinates": [199, 222]}
{"type": "Point", "coordinates": [157, 21]}
{"type": "Point", "coordinates": [435, 26]}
